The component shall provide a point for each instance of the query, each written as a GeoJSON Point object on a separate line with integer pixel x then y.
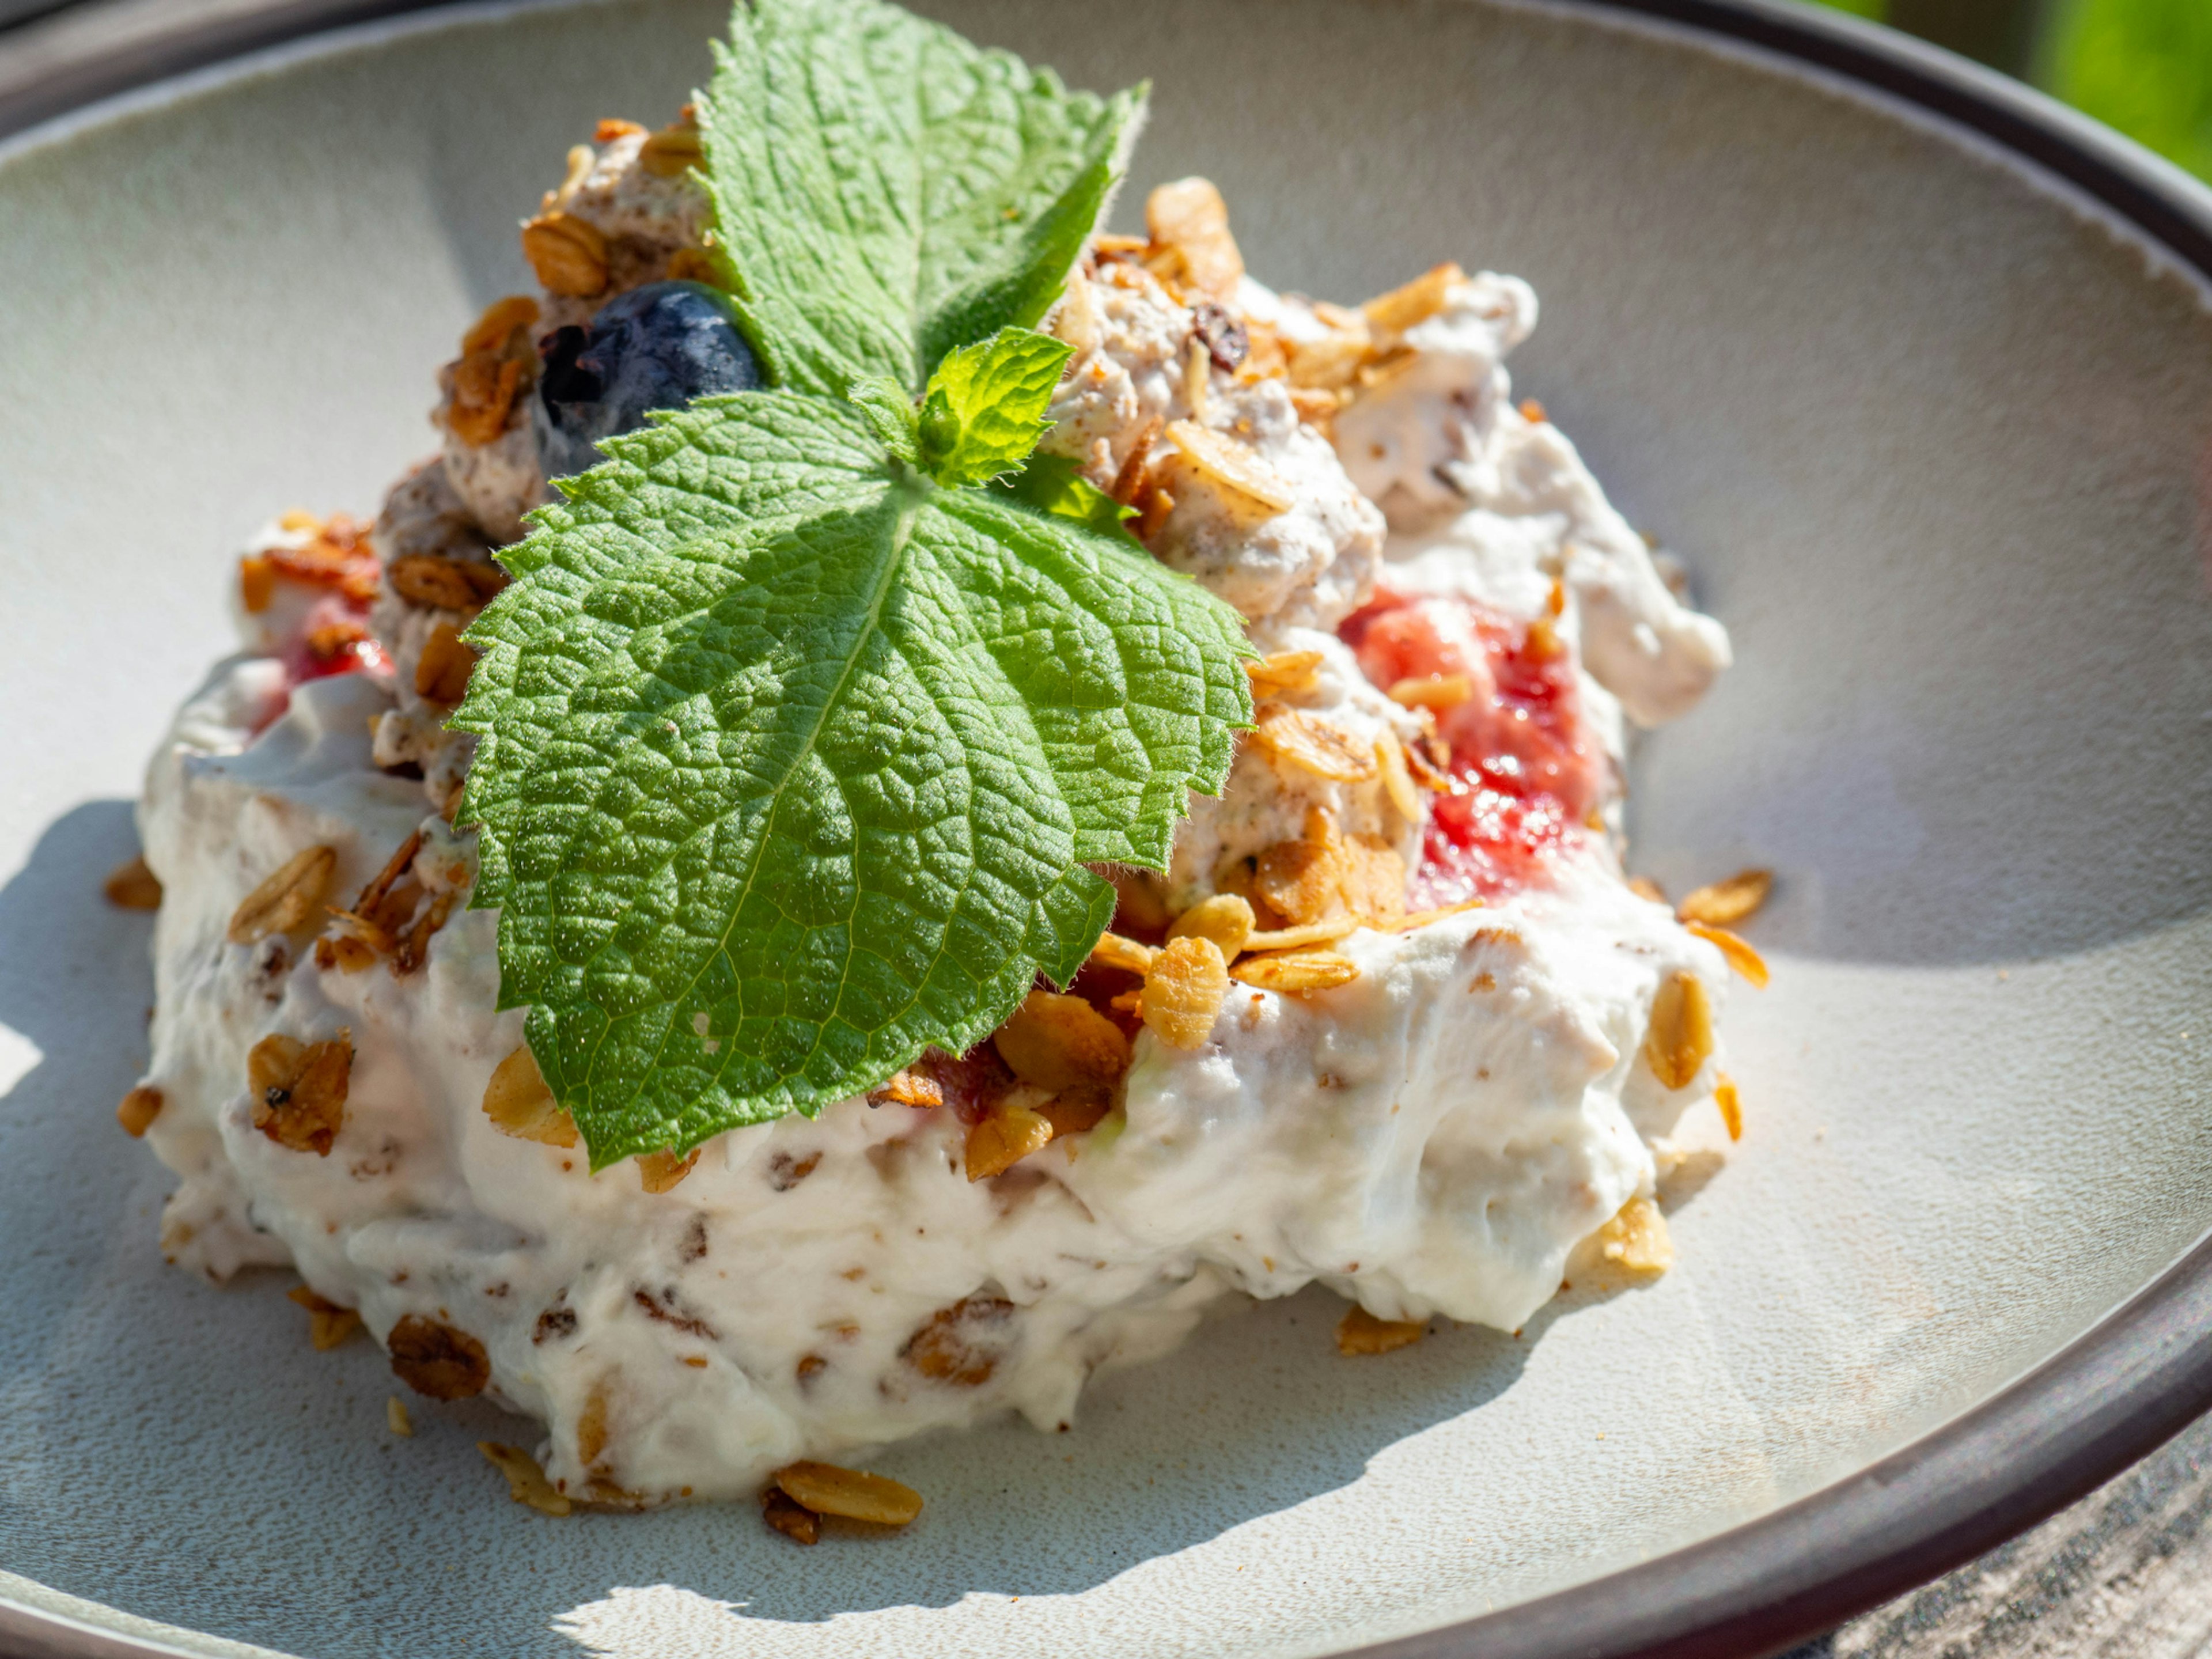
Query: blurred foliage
{"type": "Point", "coordinates": [2144, 66]}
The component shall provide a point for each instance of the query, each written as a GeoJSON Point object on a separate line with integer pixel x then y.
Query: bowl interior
{"type": "Point", "coordinates": [1935, 444]}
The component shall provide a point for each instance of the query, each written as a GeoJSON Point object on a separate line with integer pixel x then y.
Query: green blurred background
{"type": "Point", "coordinates": [2144, 66]}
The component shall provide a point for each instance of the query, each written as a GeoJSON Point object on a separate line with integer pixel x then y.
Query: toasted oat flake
{"type": "Point", "coordinates": [1003, 1136]}
{"type": "Point", "coordinates": [1741, 956]}
{"type": "Point", "coordinates": [1724, 903]}
{"type": "Point", "coordinates": [1681, 1034]}
{"type": "Point", "coordinates": [851, 1494]}
{"type": "Point", "coordinates": [1637, 1239]}
{"type": "Point", "coordinates": [1224, 918]}
{"type": "Point", "coordinates": [1644, 888]}
{"type": "Point", "coordinates": [1190, 223]}
{"type": "Point", "coordinates": [1731, 1104]}
{"type": "Point", "coordinates": [396, 1417]}
{"type": "Point", "coordinates": [568, 253]}
{"type": "Point", "coordinates": [1058, 1041]}
{"type": "Point", "coordinates": [484, 387]}
{"type": "Point", "coordinates": [518, 1102]}
{"type": "Point", "coordinates": [441, 672]}
{"type": "Point", "coordinates": [659, 1172]}
{"type": "Point", "coordinates": [1296, 971]}
{"type": "Point", "coordinates": [1414, 919]}
{"type": "Point", "coordinates": [299, 1090]}
{"type": "Point", "coordinates": [1312, 932]}
{"type": "Point", "coordinates": [1314, 744]}
{"type": "Point", "coordinates": [1415, 303]}
{"type": "Point", "coordinates": [133, 886]}
{"type": "Point", "coordinates": [328, 1323]}
{"type": "Point", "coordinates": [137, 1111]}
{"type": "Point", "coordinates": [500, 321]}
{"type": "Point", "coordinates": [1397, 781]}
{"type": "Point", "coordinates": [526, 1482]}
{"type": "Point", "coordinates": [1232, 469]}
{"type": "Point", "coordinates": [1283, 673]}
{"type": "Point", "coordinates": [1112, 951]}
{"type": "Point", "coordinates": [1184, 989]}
{"type": "Point", "coordinates": [444, 584]}
{"type": "Point", "coordinates": [1360, 1332]}
{"type": "Point", "coordinates": [285, 899]}
{"type": "Point", "coordinates": [672, 152]}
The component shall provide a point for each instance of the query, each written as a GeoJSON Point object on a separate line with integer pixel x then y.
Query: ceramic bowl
{"type": "Point", "coordinates": [1917, 374]}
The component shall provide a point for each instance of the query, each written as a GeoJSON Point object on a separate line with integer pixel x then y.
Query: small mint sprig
{"type": "Point", "coordinates": [806, 711]}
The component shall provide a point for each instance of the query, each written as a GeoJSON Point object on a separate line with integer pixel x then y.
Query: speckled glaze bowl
{"type": "Point", "coordinates": [1916, 371]}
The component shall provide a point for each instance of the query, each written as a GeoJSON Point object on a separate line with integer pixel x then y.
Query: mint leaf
{"type": "Point", "coordinates": [791, 757]}
{"type": "Point", "coordinates": [984, 409]}
{"type": "Point", "coordinates": [884, 192]}
{"type": "Point", "coordinates": [1054, 483]}
{"type": "Point", "coordinates": [896, 422]}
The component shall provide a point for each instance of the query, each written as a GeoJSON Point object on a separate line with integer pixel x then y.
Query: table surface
{"type": "Point", "coordinates": [2126, 1573]}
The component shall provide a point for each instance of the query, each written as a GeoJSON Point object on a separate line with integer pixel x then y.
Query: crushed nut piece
{"type": "Point", "coordinates": [659, 1172]}
{"type": "Point", "coordinates": [1296, 971]}
{"type": "Point", "coordinates": [850, 1494]}
{"type": "Point", "coordinates": [1189, 226]}
{"type": "Point", "coordinates": [1724, 903]}
{"type": "Point", "coordinates": [441, 672]}
{"type": "Point", "coordinates": [133, 886]}
{"type": "Point", "coordinates": [328, 1324]}
{"type": "Point", "coordinates": [1225, 918]}
{"type": "Point", "coordinates": [1360, 1332]}
{"type": "Point", "coordinates": [1112, 951]}
{"type": "Point", "coordinates": [1003, 1136]}
{"type": "Point", "coordinates": [962, 1344]}
{"type": "Point", "coordinates": [1637, 1238]}
{"type": "Point", "coordinates": [1433, 691]}
{"type": "Point", "coordinates": [1741, 956]}
{"type": "Point", "coordinates": [1681, 1034]}
{"type": "Point", "coordinates": [138, 1110]}
{"type": "Point", "coordinates": [526, 1482]}
{"type": "Point", "coordinates": [1184, 989]}
{"type": "Point", "coordinates": [795, 1520]}
{"type": "Point", "coordinates": [438, 1359]}
{"type": "Point", "coordinates": [396, 1417]}
{"type": "Point", "coordinates": [907, 1088]}
{"type": "Point", "coordinates": [287, 899]}
{"type": "Point", "coordinates": [519, 1104]}
{"type": "Point", "coordinates": [1417, 301]}
{"type": "Point", "coordinates": [299, 1090]}
{"type": "Point", "coordinates": [1061, 1041]}
{"type": "Point", "coordinates": [568, 255]}
{"type": "Point", "coordinates": [1077, 1111]}
{"type": "Point", "coordinates": [611, 127]}
{"type": "Point", "coordinates": [1731, 1104]}
{"type": "Point", "coordinates": [1248, 488]}
{"type": "Point", "coordinates": [1314, 744]}
{"type": "Point", "coordinates": [1283, 673]}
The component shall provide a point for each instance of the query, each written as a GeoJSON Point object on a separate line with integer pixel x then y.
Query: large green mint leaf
{"type": "Point", "coordinates": [984, 407]}
{"type": "Point", "coordinates": [884, 191]}
{"type": "Point", "coordinates": [791, 759]}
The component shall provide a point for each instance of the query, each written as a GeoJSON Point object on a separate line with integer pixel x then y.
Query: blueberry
{"type": "Point", "coordinates": [655, 347]}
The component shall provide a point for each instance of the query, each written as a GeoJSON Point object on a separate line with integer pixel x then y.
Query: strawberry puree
{"type": "Point", "coordinates": [1525, 772]}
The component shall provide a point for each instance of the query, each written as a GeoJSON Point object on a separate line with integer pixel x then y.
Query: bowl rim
{"type": "Point", "coordinates": [2114, 1394]}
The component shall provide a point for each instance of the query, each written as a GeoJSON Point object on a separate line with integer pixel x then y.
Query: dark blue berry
{"type": "Point", "coordinates": [655, 347]}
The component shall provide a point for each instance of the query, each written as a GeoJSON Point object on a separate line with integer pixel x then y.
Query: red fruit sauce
{"type": "Point", "coordinates": [1524, 770]}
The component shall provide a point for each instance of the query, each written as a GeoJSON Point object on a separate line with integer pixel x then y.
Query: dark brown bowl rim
{"type": "Point", "coordinates": [2122, 1389]}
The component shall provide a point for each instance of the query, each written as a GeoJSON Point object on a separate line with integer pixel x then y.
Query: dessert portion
{"type": "Point", "coordinates": [1391, 1018]}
